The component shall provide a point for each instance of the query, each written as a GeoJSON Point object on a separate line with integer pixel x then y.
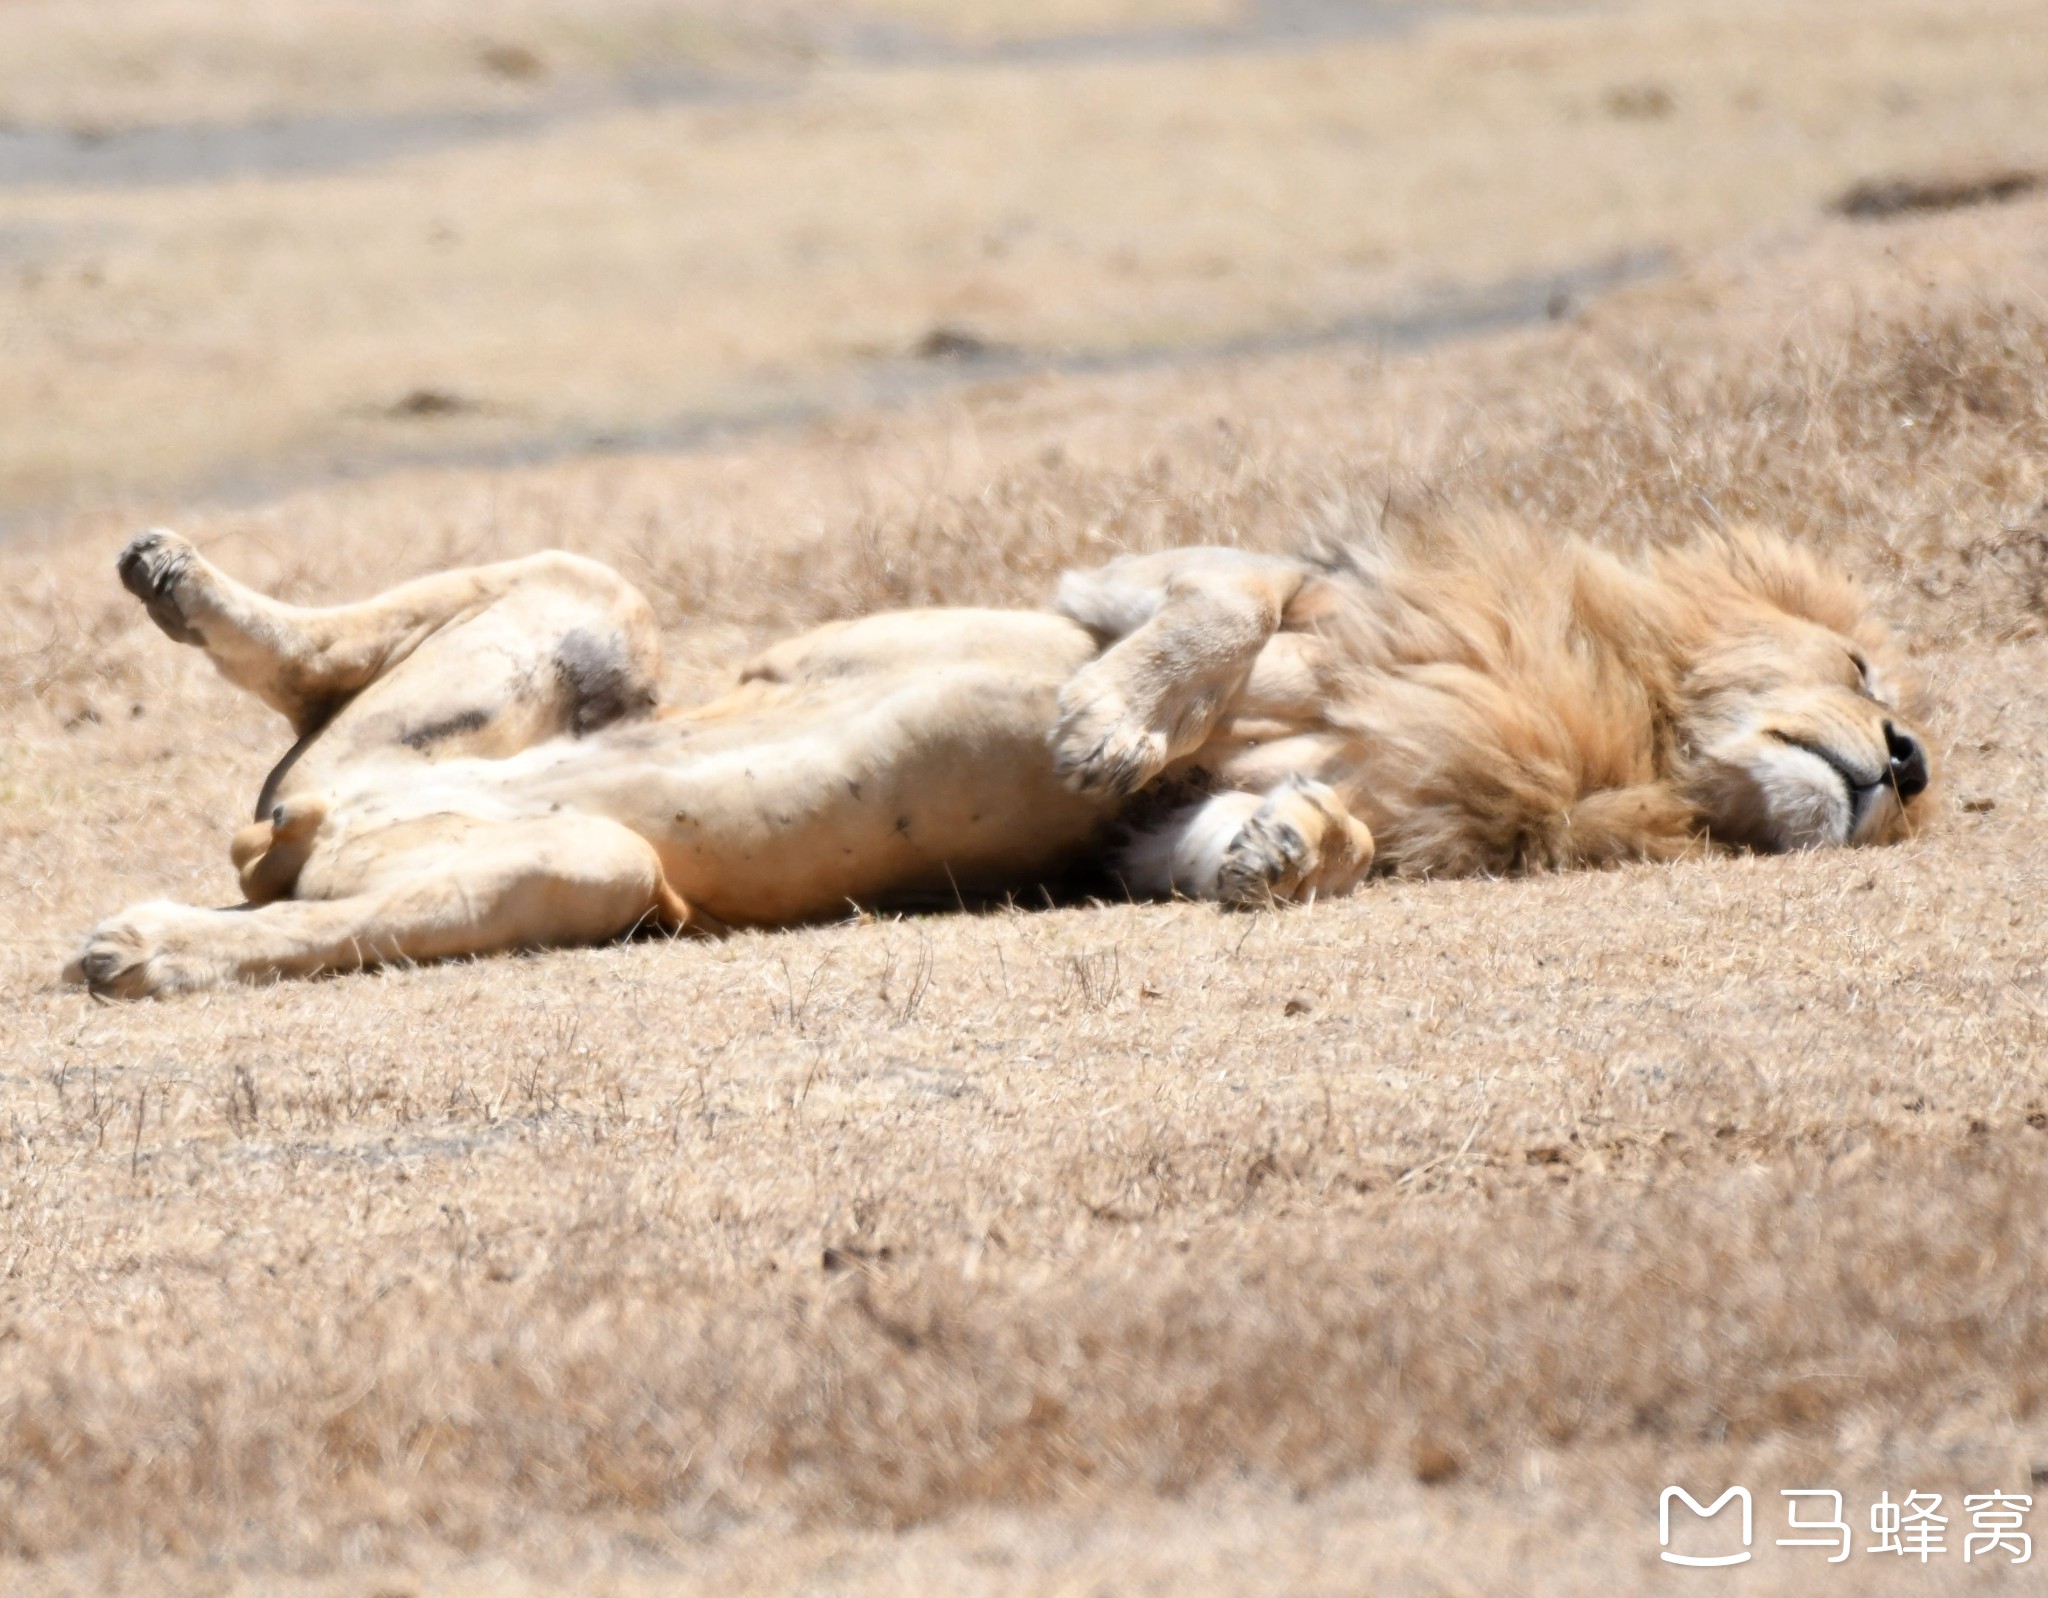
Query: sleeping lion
{"type": "Point", "coordinates": [482, 763]}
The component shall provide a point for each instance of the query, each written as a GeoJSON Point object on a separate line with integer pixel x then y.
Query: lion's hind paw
{"type": "Point", "coordinates": [151, 568]}
{"type": "Point", "coordinates": [133, 955]}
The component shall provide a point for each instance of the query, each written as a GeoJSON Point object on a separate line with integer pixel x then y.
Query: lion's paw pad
{"type": "Point", "coordinates": [1098, 749]}
{"type": "Point", "coordinates": [151, 567]}
{"type": "Point", "coordinates": [112, 964]}
{"type": "Point", "coordinates": [1266, 859]}
{"type": "Point", "coordinates": [138, 953]}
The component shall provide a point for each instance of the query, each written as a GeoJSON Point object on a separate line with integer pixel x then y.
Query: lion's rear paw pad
{"type": "Point", "coordinates": [111, 966]}
{"type": "Point", "coordinates": [147, 949]}
{"type": "Point", "coordinates": [151, 569]}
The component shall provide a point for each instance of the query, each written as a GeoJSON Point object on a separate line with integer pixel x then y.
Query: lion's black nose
{"type": "Point", "coordinates": [1909, 762]}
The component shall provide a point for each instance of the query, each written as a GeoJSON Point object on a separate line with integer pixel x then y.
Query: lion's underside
{"type": "Point", "coordinates": [891, 758]}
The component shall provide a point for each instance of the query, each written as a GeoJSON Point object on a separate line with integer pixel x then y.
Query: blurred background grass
{"type": "Point", "coordinates": [243, 245]}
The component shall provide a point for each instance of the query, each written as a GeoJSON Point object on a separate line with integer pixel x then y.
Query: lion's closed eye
{"type": "Point", "coordinates": [1870, 683]}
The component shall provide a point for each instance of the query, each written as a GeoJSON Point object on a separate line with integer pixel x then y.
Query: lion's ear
{"type": "Point", "coordinates": [1765, 563]}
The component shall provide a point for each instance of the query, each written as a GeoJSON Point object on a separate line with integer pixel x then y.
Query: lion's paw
{"type": "Point", "coordinates": [152, 568]}
{"type": "Point", "coordinates": [1099, 747]}
{"type": "Point", "coordinates": [1268, 859]}
{"type": "Point", "coordinates": [136, 955]}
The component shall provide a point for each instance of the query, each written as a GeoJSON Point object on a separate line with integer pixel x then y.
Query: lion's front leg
{"type": "Point", "coordinates": [547, 882]}
{"type": "Point", "coordinates": [1295, 842]}
{"type": "Point", "coordinates": [1187, 628]}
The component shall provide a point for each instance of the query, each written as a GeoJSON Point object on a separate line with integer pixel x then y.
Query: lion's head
{"type": "Point", "coordinates": [1793, 731]}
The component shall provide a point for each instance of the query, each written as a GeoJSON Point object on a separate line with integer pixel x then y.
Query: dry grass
{"type": "Point", "coordinates": [616, 273]}
{"type": "Point", "coordinates": [1396, 1241]}
{"type": "Point", "coordinates": [1407, 1244]}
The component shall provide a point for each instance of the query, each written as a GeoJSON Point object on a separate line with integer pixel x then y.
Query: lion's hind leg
{"type": "Point", "coordinates": [1297, 841]}
{"type": "Point", "coordinates": [478, 888]}
{"type": "Point", "coordinates": [557, 619]}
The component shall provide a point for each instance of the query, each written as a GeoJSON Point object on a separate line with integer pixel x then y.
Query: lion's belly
{"type": "Point", "coordinates": [864, 770]}
{"type": "Point", "coordinates": [902, 757]}
{"type": "Point", "coordinates": [886, 648]}
{"type": "Point", "coordinates": [945, 779]}
{"type": "Point", "coordinates": [945, 783]}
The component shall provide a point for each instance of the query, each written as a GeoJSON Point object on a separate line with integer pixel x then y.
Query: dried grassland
{"type": "Point", "coordinates": [626, 272]}
{"type": "Point", "coordinates": [1409, 1243]}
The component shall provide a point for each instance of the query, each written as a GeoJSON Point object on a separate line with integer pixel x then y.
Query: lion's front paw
{"type": "Point", "coordinates": [135, 955]}
{"type": "Point", "coordinates": [152, 567]}
{"type": "Point", "coordinates": [1301, 843]}
{"type": "Point", "coordinates": [1268, 859]}
{"type": "Point", "coordinates": [1099, 747]}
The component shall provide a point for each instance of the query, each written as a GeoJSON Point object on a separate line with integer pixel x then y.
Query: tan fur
{"type": "Point", "coordinates": [482, 766]}
{"type": "Point", "coordinates": [1488, 700]}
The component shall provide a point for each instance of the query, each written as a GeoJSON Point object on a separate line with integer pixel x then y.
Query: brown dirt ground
{"type": "Point", "coordinates": [1408, 1244]}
